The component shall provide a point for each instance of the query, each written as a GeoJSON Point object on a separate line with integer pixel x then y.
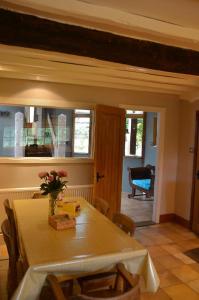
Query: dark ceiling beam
{"type": "Point", "coordinates": [29, 31]}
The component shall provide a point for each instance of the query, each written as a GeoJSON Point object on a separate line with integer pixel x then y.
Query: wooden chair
{"type": "Point", "coordinates": [142, 179]}
{"type": "Point", "coordinates": [123, 286]}
{"type": "Point", "coordinates": [66, 287]}
{"type": "Point", "coordinates": [12, 280]}
{"type": "Point", "coordinates": [38, 195]}
{"type": "Point", "coordinates": [10, 215]}
{"type": "Point", "coordinates": [101, 205]}
{"type": "Point", "coordinates": [125, 223]}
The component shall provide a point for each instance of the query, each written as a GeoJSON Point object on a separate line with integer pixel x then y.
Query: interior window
{"type": "Point", "coordinates": [44, 132]}
{"type": "Point", "coordinates": [82, 132]}
{"type": "Point", "coordinates": [134, 140]}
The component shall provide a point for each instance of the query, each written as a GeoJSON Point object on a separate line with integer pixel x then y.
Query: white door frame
{"type": "Point", "coordinates": [161, 111]}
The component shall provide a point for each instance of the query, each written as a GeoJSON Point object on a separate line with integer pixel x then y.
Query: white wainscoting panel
{"type": "Point", "coordinates": [85, 191]}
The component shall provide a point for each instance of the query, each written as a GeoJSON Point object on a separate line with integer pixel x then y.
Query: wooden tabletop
{"type": "Point", "coordinates": [94, 234]}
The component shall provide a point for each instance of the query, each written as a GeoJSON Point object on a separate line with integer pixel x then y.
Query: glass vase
{"type": "Point", "coordinates": [52, 202]}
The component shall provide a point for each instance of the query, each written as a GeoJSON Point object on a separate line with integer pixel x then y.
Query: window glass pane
{"type": "Point", "coordinates": [82, 135]}
{"type": "Point", "coordinates": [128, 136]}
{"type": "Point", "coordinates": [134, 112]}
{"type": "Point", "coordinates": [82, 111]}
{"type": "Point", "coordinates": [44, 132]}
{"type": "Point", "coordinates": [139, 137]}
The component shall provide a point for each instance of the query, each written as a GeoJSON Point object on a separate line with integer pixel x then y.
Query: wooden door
{"type": "Point", "coordinates": [195, 189]}
{"type": "Point", "coordinates": [109, 147]}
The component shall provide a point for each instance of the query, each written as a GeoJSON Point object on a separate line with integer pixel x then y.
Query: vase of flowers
{"type": "Point", "coordinates": [53, 185]}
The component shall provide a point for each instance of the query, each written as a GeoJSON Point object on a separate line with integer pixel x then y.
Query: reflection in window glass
{"type": "Point", "coordinates": [44, 132]}
{"type": "Point", "coordinates": [82, 135]}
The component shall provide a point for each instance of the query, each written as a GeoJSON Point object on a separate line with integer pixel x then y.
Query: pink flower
{"type": "Point", "coordinates": [43, 174]}
{"type": "Point", "coordinates": [62, 173]}
{"type": "Point", "coordinates": [50, 178]}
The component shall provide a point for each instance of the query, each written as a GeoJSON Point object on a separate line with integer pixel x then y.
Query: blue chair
{"type": "Point", "coordinates": [142, 179]}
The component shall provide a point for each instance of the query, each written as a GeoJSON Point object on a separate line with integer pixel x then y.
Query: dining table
{"type": "Point", "coordinates": [95, 244]}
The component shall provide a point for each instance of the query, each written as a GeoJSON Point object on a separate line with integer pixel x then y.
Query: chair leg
{"type": "Point", "coordinates": [148, 195]}
{"type": "Point", "coordinates": [132, 195]}
{"type": "Point", "coordinates": [11, 283]}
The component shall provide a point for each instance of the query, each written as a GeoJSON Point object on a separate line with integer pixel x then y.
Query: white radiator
{"type": "Point", "coordinates": [85, 191]}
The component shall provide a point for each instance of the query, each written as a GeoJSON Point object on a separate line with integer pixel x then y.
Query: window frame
{"type": "Point", "coordinates": [54, 160]}
{"type": "Point", "coordinates": [138, 116]}
{"type": "Point", "coordinates": [155, 130]}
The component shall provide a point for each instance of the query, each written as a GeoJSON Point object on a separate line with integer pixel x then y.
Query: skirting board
{"type": "Point", "coordinates": [167, 218]}
{"type": "Point", "coordinates": [174, 218]}
{"type": "Point", "coordinates": [182, 221]}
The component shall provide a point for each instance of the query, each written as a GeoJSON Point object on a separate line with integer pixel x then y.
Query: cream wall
{"type": "Point", "coordinates": [185, 161]}
{"type": "Point", "coordinates": [14, 175]}
{"type": "Point", "coordinates": [39, 93]}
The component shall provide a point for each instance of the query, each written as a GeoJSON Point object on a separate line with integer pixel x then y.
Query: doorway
{"type": "Point", "coordinates": [194, 218]}
{"type": "Point", "coordinates": [139, 199]}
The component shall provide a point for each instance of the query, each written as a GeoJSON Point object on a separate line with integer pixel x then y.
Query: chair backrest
{"type": "Point", "coordinates": [125, 223]}
{"type": "Point", "coordinates": [8, 238]}
{"type": "Point", "coordinates": [38, 195]}
{"type": "Point", "coordinates": [101, 205]}
{"type": "Point", "coordinates": [10, 215]}
{"type": "Point", "coordinates": [13, 256]}
{"type": "Point", "coordinates": [140, 173]}
{"type": "Point", "coordinates": [126, 287]}
{"type": "Point", "coordinates": [151, 168]}
{"type": "Point", "coordinates": [8, 209]}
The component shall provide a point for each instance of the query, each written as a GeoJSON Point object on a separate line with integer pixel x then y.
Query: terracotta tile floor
{"type": "Point", "coordinates": [179, 275]}
{"type": "Point", "coordinates": [138, 210]}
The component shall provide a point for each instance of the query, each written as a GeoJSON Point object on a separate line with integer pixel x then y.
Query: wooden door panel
{"type": "Point", "coordinates": [109, 146]}
{"type": "Point", "coordinates": [195, 191]}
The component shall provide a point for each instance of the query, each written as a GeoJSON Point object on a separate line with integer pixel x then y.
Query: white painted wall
{"type": "Point", "coordinates": [185, 162]}
{"type": "Point", "coordinates": [51, 94]}
{"type": "Point", "coordinates": [150, 151]}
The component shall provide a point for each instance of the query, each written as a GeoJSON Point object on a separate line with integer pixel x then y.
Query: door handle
{"type": "Point", "coordinates": [197, 174]}
{"type": "Point", "coordinates": [98, 176]}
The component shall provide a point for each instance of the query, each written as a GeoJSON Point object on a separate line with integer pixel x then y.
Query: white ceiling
{"type": "Point", "coordinates": [166, 21]}
{"type": "Point", "coordinates": [21, 63]}
{"type": "Point", "coordinates": [179, 12]}
{"type": "Point", "coordinates": [173, 22]}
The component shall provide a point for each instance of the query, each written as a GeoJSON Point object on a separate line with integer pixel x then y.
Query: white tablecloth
{"type": "Point", "coordinates": [94, 245]}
